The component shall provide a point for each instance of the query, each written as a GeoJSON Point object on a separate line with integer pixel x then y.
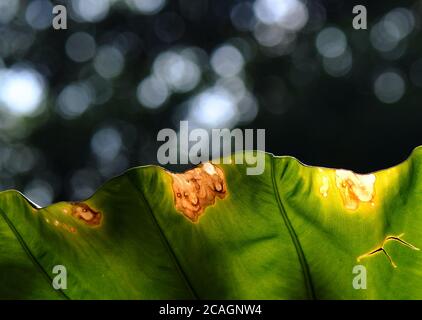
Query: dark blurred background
{"type": "Point", "coordinates": [81, 105]}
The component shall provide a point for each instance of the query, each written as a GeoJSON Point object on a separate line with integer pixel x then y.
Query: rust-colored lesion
{"type": "Point", "coordinates": [355, 188]}
{"type": "Point", "coordinates": [84, 212]}
{"type": "Point", "coordinates": [196, 189]}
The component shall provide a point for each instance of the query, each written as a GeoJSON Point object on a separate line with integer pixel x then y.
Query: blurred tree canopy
{"type": "Point", "coordinates": [80, 105]}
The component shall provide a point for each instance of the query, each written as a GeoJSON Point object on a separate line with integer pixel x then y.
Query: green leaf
{"type": "Point", "coordinates": [294, 232]}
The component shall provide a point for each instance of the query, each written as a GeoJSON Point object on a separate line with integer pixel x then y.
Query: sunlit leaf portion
{"type": "Point", "coordinates": [294, 232]}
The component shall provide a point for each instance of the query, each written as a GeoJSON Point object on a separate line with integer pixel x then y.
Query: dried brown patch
{"type": "Point", "coordinates": [85, 213]}
{"type": "Point", "coordinates": [197, 189]}
{"type": "Point", "coordinates": [355, 188]}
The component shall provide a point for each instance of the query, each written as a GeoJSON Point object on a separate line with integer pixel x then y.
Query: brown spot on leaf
{"type": "Point", "coordinates": [196, 189]}
{"type": "Point", "coordinates": [68, 228]}
{"type": "Point", "coordinates": [85, 213]}
{"type": "Point", "coordinates": [355, 188]}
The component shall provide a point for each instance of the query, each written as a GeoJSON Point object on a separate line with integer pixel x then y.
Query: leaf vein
{"type": "Point", "coordinates": [164, 239]}
{"type": "Point", "coordinates": [293, 236]}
